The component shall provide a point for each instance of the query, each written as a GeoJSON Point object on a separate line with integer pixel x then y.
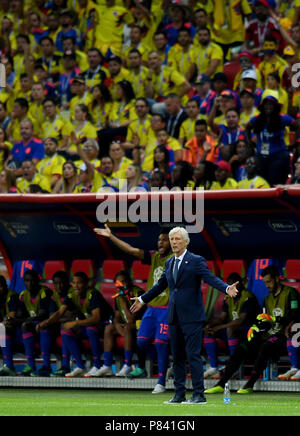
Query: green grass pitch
{"type": "Point", "coordinates": [44, 402]}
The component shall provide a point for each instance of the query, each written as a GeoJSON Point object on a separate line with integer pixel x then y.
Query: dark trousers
{"type": "Point", "coordinates": [261, 350]}
{"type": "Point", "coordinates": [275, 168]}
{"type": "Point", "coordinates": [186, 341]}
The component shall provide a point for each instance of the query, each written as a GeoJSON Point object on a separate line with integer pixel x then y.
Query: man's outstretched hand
{"type": "Point", "coordinates": [232, 290]}
{"type": "Point", "coordinates": [103, 232]}
{"type": "Point", "coordinates": [137, 305]}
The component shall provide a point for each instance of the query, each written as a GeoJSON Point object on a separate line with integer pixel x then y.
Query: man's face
{"type": "Point", "coordinates": [116, 151]}
{"type": "Point", "coordinates": [134, 60]}
{"type": "Point", "coordinates": [26, 130]}
{"type": "Point", "coordinates": [204, 37]}
{"type": "Point", "coordinates": [68, 45]}
{"type": "Point", "coordinates": [94, 59]}
{"type": "Point", "coordinates": [157, 123]}
{"type": "Point", "coordinates": [160, 41]}
{"type": "Point", "coordinates": [141, 108]}
{"type": "Point", "coordinates": [247, 100]}
{"type": "Point", "coordinates": [59, 285]}
{"type": "Point", "coordinates": [232, 119]}
{"type": "Point", "coordinates": [49, 109]}
{"type": "Point", "coordinates": [78, 285]}
{"type": "Point", "coordinates": [114, 68]}
{"type": "Point", "coordinates": [47, 47]}
{"type": "Point", "coordinates": [192, 109]}
{"type": "Point", "coordinates": [28, 169]}
{"type": "Point", "coordinates": [162, 137]}
{"type": "Point", "coordinates": [25, 84]}
{"type": "Point", "coordinates": [172, 106]}
{"type": "Point", "coordinates": [50, 147]}
{"type": "Point", "coordinates": [251, 166]}
{"type": "Point", "coordinates": [271, 283]}
{"type": "Point", "coordinates": [37, 92]}
{"type": "Point", "coordinates": [107, 166]}
{"type": "Point", "coordinates": [135, 35]}
{"type": "Point", "coordinates": [246, 63]}
{"type": "Point", "coordinates": [201, 19]}
{"type": "Point", "coordinates": [154, 61]}
{"type": "Point", "coordinates": [163, 244]}
{"type": "Point", "coordinates": [221, 175]}
{"type": "Point", "coordinates": [30, 283]}
{"type": "Point", "coordinates": [178, 244]}
{"type": "Point", "coordinates": [184, 39]}
{"type": "Point", "coordinates": [200, 132]}
{"type": "Point", "coordinates": [53, 22]}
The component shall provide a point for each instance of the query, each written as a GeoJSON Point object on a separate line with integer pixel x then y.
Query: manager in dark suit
{"type": "Point", "coordinates": [186, 316]}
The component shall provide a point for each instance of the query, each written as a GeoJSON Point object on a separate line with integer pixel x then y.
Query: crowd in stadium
{"type": "Point", "coordinates": [153, 93]}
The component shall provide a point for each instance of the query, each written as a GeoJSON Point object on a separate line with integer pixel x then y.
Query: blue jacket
{"type": "Point", "coordinates": [185, 294]}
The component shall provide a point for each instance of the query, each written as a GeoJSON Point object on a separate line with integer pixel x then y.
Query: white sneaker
{"type": "Point", "coordinates": [159, 389]}
{"type": "Point", "coordinates": [104, 371]}
{"type": "Point", "coordinates": [287, 375]}
{"type": "Point", "coordinates": [296, 376]}
{"type": "Point", "coordinates": [77, 372]}
{"type": "Point", "coordinates": [91, 372]}
{"type": "Point", "coordinates": [211, 373]}
{"type": "Point", "coordinates": [124, 371]}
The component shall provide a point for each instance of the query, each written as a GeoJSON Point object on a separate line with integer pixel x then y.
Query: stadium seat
{"type": "Point", "coordinates": [52, 266]}
{"type": "Point", "coordinates": [292, 273]}
{"type": "Point", "coordinates": [84, 265]}
{"type": "Point", "coordinates": [111, 267]}
{"type": "Point", "coordinates": [231, 69]}
{"type": "Point", "coordinates": [233, 265]}
{"type": "Point", "coordinates": [292, 269]}
{"type": "Point", "coordinates": [140, 271]}
{"type": "Point", "coordinates": [108, 289]}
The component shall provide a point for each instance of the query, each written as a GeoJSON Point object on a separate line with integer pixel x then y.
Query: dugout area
{"type": "Point", "coordinates": [238, 225]}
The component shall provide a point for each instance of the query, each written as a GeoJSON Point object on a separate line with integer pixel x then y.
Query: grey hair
{"type": "Point", "coordinates": [183, 233]}
{"type": "Point", "coordinates": [93, 142]}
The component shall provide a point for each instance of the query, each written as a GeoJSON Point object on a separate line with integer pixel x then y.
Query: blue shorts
{"type": "Point", "coordinates": [154, 325]}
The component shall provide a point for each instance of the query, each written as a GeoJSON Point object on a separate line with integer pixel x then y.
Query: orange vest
{"type": "Point", "coordinates": [193, 154]}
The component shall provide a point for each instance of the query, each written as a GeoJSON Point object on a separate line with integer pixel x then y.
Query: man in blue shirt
{"type": "Point", "coordinates": [29, 148]}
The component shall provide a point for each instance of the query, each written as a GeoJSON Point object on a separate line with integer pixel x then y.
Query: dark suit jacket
{"type": "Point", "coordinates": [185, 294]}
{"type": "Point", "coordinates": [174, 130]}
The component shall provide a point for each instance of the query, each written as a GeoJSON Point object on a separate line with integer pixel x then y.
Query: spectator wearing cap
{"type": "Point", "coordinates": [202, 147]}
{"type": "Point", "coordinates": [204, 94]}
{"type": "Point", "coordinates": [249, 81]}
{"type": "Point", "coordinates": [180, 15]}
{"type": "Point", "coordinates": [247, 62]}
{"type": "Point", "coordinates": [272, 62]}
{"type": "Point", "coordinates": [269, 129]}
{"type": "Point", "coordinates": [253, 180]}
{"type": "Point", "coordinates": [70, 70]}
{"type": "Point", "coordinates": [81, 94]}
{"type": "Point", "coordinates": [226, 100]}
{"type": "Point", "coordinates": [187, 128]}
{"type": "Point", "coordinates": [67, 18]}
{"type": "Point", "coordinates": [223, 179]}
{"type": "Point", "coordinates": [248, 109]}
{"type": "Point", "coordinates": [261, 27]}
{"type": "Point", "coordinates": [290, 56]}
{"type": "Point", "coordinates": [207, 56]}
